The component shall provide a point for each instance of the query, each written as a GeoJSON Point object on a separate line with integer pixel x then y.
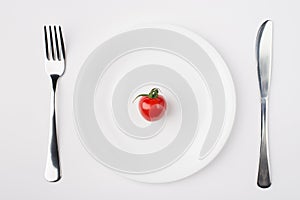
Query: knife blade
{"type": "Point", "coordinates": [264, 64]}
{"type": "Point", "coordinates": [264, 56]}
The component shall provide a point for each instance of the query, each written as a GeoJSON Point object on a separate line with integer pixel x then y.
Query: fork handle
{"type": "Point", "coordinates": [52, 171]}
{"type": "Point", "coordinates": [264, 178]}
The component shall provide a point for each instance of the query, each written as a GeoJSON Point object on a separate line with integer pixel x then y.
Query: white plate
{"type": "Point", "coordinates": [193, 78]}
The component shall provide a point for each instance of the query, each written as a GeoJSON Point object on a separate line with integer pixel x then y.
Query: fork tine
{"type": "Point", "coordinates": [46, 43]}
{"type": "Point", "coordinates": [58, 53]}
{"type": "Point", "coordinates": [49, 43]}
{"type": "Point", "coordinates": [52, 48]}
{"type": "Point", "coordinates": [61, 43]}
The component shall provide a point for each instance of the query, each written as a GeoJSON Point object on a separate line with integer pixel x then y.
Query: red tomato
{"type": "Point", "coordinates": [152, 109]}
{"type": "Point", "coordinates": [152, 106]}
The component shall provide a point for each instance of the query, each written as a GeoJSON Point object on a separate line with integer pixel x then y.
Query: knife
{"type": "Point", "coordinates": [264, 63]}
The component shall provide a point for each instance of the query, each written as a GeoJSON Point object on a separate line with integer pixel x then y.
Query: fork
{"type": "Point", "coordinates": [55, 67]}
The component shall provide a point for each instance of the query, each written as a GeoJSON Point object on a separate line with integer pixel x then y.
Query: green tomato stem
{"type": "Point", "coordinates": [152, 94]}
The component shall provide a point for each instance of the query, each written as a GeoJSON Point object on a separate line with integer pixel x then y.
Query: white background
{"type": "Point", "coordinates": [230, 26]}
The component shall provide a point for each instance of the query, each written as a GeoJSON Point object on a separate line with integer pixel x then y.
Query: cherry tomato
{"type": "Point", "coordinates": [152, 109]}
{"type": "Point", "coordinates": [152, 106]}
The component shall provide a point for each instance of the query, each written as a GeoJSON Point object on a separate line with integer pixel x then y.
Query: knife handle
{"type": "Point", "coordinates": [264, 178]}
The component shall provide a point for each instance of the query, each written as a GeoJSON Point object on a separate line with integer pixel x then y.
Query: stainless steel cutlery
{"type": "Point", "coordinates": [264, 63]}
{"type": "Point", "coordinates": [55, 67]}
